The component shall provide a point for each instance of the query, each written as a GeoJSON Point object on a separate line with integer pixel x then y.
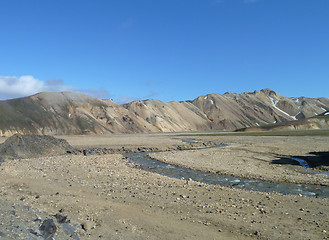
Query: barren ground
{"type": "Point", "coordinates": [114, 200]}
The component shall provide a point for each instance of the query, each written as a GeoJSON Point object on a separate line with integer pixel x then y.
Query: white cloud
{"type": "Point", "coordinates": [14, 87]}
{"type": "Point", "coordinates": [11, 86]}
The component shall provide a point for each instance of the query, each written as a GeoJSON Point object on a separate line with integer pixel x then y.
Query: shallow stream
{"type": "Point", "coordinates": [152, 165]}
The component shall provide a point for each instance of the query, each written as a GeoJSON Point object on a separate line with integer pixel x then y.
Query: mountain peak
{"type": "Point", "coordinates": [268, 91]}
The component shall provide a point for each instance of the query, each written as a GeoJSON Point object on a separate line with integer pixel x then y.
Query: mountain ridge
{"type": "Point", "coordinates": [65, 113]}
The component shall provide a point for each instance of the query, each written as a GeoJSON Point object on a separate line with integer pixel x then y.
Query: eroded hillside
{"type": "Point", "coordinates": [73, 113]}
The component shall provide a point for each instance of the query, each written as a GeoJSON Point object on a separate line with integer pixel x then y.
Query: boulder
{"type": "Point", "coordinates": [29, 146]}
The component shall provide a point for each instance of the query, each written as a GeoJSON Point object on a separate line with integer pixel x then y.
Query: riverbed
{"type": "Point", "coordinates": [260, 158]}
{"type": "Point", "coordinates": [143, 161]}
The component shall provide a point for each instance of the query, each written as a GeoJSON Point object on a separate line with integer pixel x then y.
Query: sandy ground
{"type": "Point", "coordinates": [114, 200]}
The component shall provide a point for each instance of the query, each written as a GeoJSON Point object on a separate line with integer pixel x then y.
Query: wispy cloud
{"type": "Point", "coordinates": [148, 83]}
{"type": "Point", "coordinates": [151, 94]}
{"type": "Point", "coordinates": [14, 87]}
{"type": "Point", "coordinates": [126, 99]}
{"type": "Point", "coordinates": [95, 92]}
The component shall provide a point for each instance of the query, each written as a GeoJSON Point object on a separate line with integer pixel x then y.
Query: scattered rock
{"type": "Point", "coordinates": [60, 218]}
{"type": "Point", "coordinates": [87, 225]}
{"type": "Point", "coordinates": [36, 232]}
{"type": "Point", "coordinates": [69, 230]}
{"type": "Point", "coordinates": [38, 219]}
{"type": "Point", "coordinates": [48, 229]}
{"type": "Point", "coordinates": [88, 152]}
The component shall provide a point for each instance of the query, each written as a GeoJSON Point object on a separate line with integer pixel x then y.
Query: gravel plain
{"type": "Point", "coordinates": [104, 196]}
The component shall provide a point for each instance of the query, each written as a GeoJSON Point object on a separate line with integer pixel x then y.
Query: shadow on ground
{"type": "Point", "coordinates": [285, 161]}
{"type": "Point", "coordinates": [314, 160]}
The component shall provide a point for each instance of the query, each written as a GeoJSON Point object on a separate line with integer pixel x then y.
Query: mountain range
{"type": "Point", "coordinates": [65, 113]}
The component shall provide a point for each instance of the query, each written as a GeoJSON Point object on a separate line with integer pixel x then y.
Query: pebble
{"type": "Point", "coordinates": [88, 225]}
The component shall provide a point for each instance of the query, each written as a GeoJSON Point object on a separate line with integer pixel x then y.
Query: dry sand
{"type": "Point", "coordinates": [114, 200]}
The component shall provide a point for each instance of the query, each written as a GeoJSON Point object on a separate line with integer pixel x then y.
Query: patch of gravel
{"type": "Point", "coordinates": [21, 222]}
{"type": "Point", "coordinates": [18, 221]}
{"type": "Point", "coordinates": [29, 146]}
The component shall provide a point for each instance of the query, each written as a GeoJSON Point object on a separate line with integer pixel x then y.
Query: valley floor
{"type": "Point", "coordinates": [111, 199]}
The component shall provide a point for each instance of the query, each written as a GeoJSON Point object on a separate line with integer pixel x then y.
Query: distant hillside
{"type": "Point", "coordinates": [317, 122]}
{"type": "Point", "coordinates": [73, 113]}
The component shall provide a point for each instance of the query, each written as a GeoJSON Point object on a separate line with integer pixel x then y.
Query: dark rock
{"type": "Point", "coordinates": [60, 218]}
{"type": "Point", "coordinates": [48, 229]}
{"type": "Point", "coordinates": [28, 146]}
{"type": "Point", "coordinates": [38, 219]}
{"type": "Point", "coordinates": [36, 233]}
{"type": "Point", "coordinates": [88, 152]}
{"type": "Point", "coordinates": [87, 225]}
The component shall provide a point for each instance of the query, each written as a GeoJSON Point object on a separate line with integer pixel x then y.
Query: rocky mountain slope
{"type": "Point", "coordinates": [73, 113]}
{"type": "Point", "coordinates": [317, 122]}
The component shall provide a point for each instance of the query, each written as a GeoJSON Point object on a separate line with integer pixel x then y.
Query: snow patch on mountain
{"type": "Point", "coordinates": [275, 102]}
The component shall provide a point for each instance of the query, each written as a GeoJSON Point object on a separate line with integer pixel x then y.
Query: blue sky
{"type": "Point", "coordinates": [164, 49]}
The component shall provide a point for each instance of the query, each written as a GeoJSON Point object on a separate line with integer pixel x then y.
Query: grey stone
{"type": "Point", "coordinates": [48, 229]}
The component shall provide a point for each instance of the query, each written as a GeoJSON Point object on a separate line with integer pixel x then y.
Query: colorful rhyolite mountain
{"type": "Point", "coordinates": [73, 113]}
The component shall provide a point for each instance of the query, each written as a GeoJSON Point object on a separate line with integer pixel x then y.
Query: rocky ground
{"type": "Point", "coordinates": [106, 197]}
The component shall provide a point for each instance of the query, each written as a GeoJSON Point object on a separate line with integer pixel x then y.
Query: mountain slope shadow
{"type": "Point", "coordinates": [285, 161]}
{"type": "Point", "coordinates": [318, 159]}
{"type": "Point", "coordinates": [314, 160]}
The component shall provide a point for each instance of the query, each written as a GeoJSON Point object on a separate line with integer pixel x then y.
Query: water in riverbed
{"type": "Point", "coordinates": [152, 165]}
